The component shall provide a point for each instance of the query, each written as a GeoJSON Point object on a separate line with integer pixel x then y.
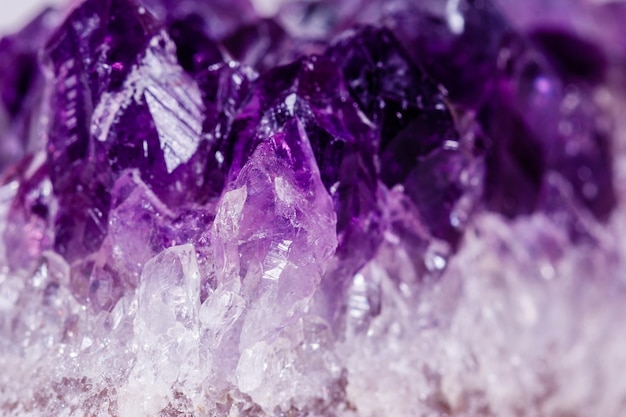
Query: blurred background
{"type": "Point", "coordinates": [15, 13]}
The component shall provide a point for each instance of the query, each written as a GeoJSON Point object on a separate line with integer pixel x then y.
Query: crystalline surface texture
{"type": "Point", "coordinates": [358, 208]}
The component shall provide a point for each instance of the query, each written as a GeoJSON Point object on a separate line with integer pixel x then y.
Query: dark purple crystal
{"type": "Point", "coordinates": [539, 122]}
{"type": "Point", "coordinates": [88, 61]}
{"type": "Point", "coordinates": [219, 17]}
{"type": "Point", "coordinates": [261, 44]}
{"type": "Point", "coordinates": [411, 116]}
{"type": "Point", "coordinates": [532, 95]}
{"type": "Point", "coordinates": [464, 59]}
{"type": "Point", "coordinates": [21, 85]}
{"type": "Point", "coordinates": [195, 49]}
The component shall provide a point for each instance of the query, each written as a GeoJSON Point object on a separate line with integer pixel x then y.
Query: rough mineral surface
{"type": "Point", "coordinates": [355, 208]}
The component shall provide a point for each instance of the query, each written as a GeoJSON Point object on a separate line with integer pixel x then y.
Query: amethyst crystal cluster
{"type": "Point", "coordinates": [358, 208]}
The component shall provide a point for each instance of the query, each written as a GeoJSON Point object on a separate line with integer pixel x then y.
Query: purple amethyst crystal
{"type": "Point", "coordinates": [413, 121]}
{"type": "Point", "coordinates": [533, 98]}
{"type": "Point", "coordinates": [194, 48]}
{"type": "Point", "coordinates": [540, 121]}
{"type": "Point", "coordinates": [88, 62]}
{"type": "Point", "coordinates": [260, 45]}
{"type": "Point", "coordinates": [353, 209]}
{"type": "Point", "coordinates": [21, 82]}
{"type": "Point", "coordinates": [219, 17]}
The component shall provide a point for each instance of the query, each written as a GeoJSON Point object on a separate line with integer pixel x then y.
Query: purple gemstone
{"type": "Point", "coordinates": [275, 228]}
{"type": "Point", "coordinates": [458, 46]}
{"type": "Point", "coordinates": [412, 117]}
{"type": "Point", "coordinates": [520, 88]}
{"type": "Point", "coordinates": [347, 208]}
{"type": "Point", "coordinates": [21, 84]}
{"type": "Point", "coordinates": [312, 90]}
{"type": "Point", "coordinates": [261, 45]}
{"type": "Point", "coordinates": [574, 58]}
{"type": "Point", "coordinates": [194, 48]}
{"type": "Point", "coordinates": [219, 17]}
{"type": "Point", "coordinates": [538, 122]}
{"type": "Point", "coordinates": [154, 126]}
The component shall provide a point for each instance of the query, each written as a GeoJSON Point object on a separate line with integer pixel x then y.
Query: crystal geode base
{"type": "Point", "coordinates": [358, 208]}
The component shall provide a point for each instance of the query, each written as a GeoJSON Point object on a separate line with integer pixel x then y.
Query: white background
{"type": "Point", "coordinates": [15, 13]}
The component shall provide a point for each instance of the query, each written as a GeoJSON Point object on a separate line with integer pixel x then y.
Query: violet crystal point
{"type": "Point", "coordinates": [359, 208]}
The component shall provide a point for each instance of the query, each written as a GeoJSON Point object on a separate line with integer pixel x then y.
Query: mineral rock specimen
{"type": "Point", "coordinates": [349, 208]}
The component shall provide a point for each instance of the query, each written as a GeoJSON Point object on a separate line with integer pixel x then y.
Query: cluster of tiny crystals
{"type": "Point", "coordinates": [343, 208]}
